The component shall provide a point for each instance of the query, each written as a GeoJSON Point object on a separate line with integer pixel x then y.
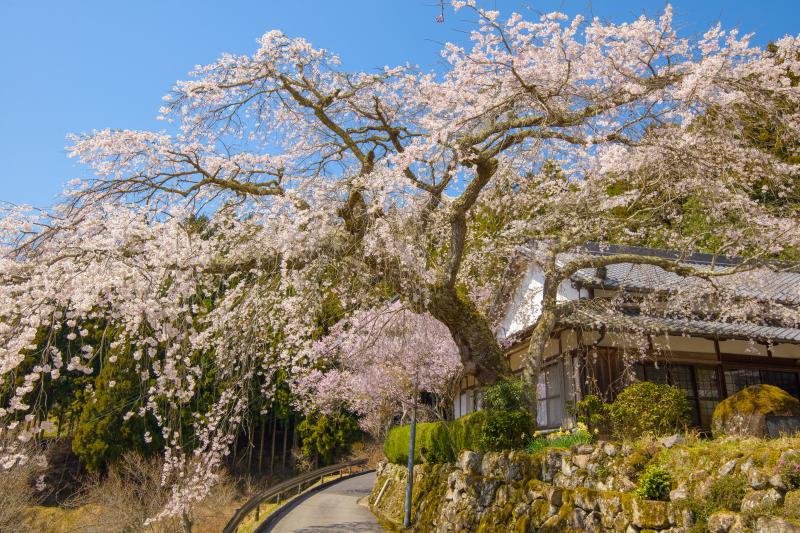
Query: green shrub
{"type": "Point", "coordinates": [593, 413]}
{"type": "Point", "coordinates": [508, 422]}
{"type": "Point", "coordinates": [724, 494]}
{"type": "Point", "coordinates": [99, 438]}
{"type": "Point", "coordinates": [327, 437]}
{"type": "Point", "coordinates": [506, 430]}
{"type": "Point", "coordinates": [508, 395]}
{"type": "Point", "coordinates": [504, 423]}
{"type": "Point", "coordinates": [561, 439]}
{"type": "Point", "coordinates": [654, 484]}
{"type": "Point", "coordinates": [789, 470]}
{"type": "Point", "coordinates": [647, 407]}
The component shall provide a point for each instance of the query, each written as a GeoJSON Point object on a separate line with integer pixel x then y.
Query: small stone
{"type": "Point", "coordinates": [620, 523]}
{"type": "Point", "coordinates": [578, 519]}
{"type": "Point", "coordinates": [609, 505]}
{"type": "Point", "coordinates": [756, 479]}
{"type": "Point", "coordinates": [555, 496]}
{"type": "Point", "coordinates": [673, 440]}
{"type": "Point", "coordinates": [728, 467]}
{"type": "Point", "coordinates": [514, 472]}
{"type": "Point", "coordinates": [451, 479]}
{"type": "Point", "coordinates": [494, 464]}
{"type": "Point", "coordinates": [687, 519]}
{"type": "Point", "coordinates": [747, 465]}
{"type": "Point", "coordinates": [626, 485]}
{"type": "Point", "coordinates": [519, 510]}
{"type": "Point", "coordinates": [592, 521]}
{"type": "Point", "coordinates": [583, 449]}
{"type": "Point", "coordinates": [679, 493]}
{"type": "Point", "coordinates": [551, 464]}
{"type": "Point", "coordinates": [470, 462]}
{"type": "Point", "coordinates": [486, 492]}
{"type": "Point", "coordinates": [777, 481]}
{"type": "Point", "coordinates": [761, 499]}
{"type": "Point", "coordinates": [773, 524]}
{"type": "Point", "coordinates": [650, 514]}
{"type": "Point", "coordinates": [566, 465]}
{"type": "Point", "coordinates": [609, 449]}
{"type": "Point", "coordinates": [551, 524]}
{"type": "Point", "coordinates": [724, 522]}
{"type": "Point", "coordinates": [501, 496]}
{"type": "Point", "coordinates": [538, 491]}
{"type": "Point", "coordinates": [585, 500]}
{"type": "Point", "coordinates": [698, 475]}
{"type": "Point", "coordinates": [581, 461]}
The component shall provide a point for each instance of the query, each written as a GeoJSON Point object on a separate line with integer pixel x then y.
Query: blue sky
{"type": "Point", "coordinates": [74, 66]}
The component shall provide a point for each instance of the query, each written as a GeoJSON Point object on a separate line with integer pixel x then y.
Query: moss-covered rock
{"type": "Point", "coordinates": [725, 522]}
{"type": "Point", "coordinates": [791, 503]}
{"type": "Point", "coordinates": [649, 514]}
{"type": "Point", "coordinates": [745, 413]}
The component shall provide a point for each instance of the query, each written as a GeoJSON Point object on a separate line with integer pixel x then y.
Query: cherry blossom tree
{"type": "Point", "coordinates": [376, 361]}
{"type": "Point", "coordinates": [326, 188]}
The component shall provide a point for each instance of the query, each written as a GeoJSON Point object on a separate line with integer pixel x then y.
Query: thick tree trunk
{"type": "Point", "coordinates": [481, 355]}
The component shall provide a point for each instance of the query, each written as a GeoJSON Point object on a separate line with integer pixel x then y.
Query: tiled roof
{"type": "Point", "coordinates": [777, 282]}
{"type": "Point", "coordinates": [587, 316]}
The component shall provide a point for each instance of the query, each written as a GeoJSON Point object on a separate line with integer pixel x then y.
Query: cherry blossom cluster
{"type": "Point", "coordinates": [376, 361]}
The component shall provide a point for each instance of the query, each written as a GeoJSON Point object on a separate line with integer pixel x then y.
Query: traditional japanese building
{"type": "Point", "coordinates": [594, 351]}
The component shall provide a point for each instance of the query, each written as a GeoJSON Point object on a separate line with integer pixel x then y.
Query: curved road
{"type": "Point", "coordinates": [333, 509]}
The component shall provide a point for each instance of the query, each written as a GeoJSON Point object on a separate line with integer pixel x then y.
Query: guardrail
{"type": "Point", "coordinates": [294, 485]}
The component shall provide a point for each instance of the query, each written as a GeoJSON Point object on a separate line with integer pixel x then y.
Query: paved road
{"type": "Point", "coordinates": [333, 510]}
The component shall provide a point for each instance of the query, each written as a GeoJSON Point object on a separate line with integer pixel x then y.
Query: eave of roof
{"type": "Point", "coordinates": [648, 325]}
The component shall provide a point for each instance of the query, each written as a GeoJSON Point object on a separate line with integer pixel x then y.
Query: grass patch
{"type": "Point", "coordinates": [538, 444]}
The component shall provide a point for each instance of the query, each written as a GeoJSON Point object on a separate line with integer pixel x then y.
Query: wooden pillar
{"type": "Point", "coordinates": [723, 387]}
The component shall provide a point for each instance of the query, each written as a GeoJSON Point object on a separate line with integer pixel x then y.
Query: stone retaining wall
{"type": "Point", "coordinates": [588, 488]}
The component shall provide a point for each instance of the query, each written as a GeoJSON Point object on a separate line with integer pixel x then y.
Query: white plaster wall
{"type": "Point", "coordinates": [526, 304]}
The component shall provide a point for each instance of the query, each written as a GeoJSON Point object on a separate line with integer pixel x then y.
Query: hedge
{"type": "Point", "coordinates": [441, 441]}
{"type": "Point", "coordinates": [465, 432]}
